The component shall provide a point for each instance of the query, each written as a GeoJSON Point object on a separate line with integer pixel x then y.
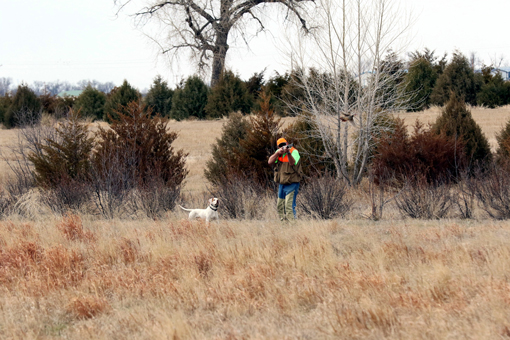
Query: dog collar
{"type": "Point", "coordinates": [213, 208]}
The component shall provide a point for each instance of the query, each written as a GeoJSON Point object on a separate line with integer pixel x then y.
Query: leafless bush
{"type": "Point", "coordinates": [67, 195]}
{"type": "Point", "coordinates": [239, 197]}
{"type": "Point", "coordinates": [420, 199]}
{"type": "Point", "coordinates": [6, 203]}
{"type": "Point", "coordinates": [324, 197]}
{"type": "Point", "coordinates": [493, 192]}
{"type": "Point", "coordinates": [31, 135]}
{"type": "Point", "coordinates": [465, 196]}
{"type": "Point", "coordinates": [153, 199]}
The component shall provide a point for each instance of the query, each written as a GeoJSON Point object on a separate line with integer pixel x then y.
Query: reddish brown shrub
{"type": "Point", "coordinates": [62, 266]}
{"type": "Point", "coordinates": [72, 228]}
{"type": "Point", "coordinates": [128, 250]}
{"type": "Point", "coordinates": [86, 307]}
{"type": "Point", "coordinates": [436, 158]}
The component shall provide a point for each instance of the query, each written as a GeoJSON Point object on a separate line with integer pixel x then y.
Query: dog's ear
{"type": "Point", "coordinates": [210, 200]}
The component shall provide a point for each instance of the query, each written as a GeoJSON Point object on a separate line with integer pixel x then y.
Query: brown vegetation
{"type": "Point", "coordinates": [180, 279]}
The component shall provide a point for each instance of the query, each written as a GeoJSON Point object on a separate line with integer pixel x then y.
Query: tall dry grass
{"type": "Point", "coordinates": [250, 280]}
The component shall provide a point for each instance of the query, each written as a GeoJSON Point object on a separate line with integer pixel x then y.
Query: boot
{"type": "Point", "coordinates": [289, 199]}
{"type": "Point", "coordinates": [280, 206]}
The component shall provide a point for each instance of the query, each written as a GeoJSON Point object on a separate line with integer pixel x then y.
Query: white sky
{"type": "Point", "coordinates": [50, 40]}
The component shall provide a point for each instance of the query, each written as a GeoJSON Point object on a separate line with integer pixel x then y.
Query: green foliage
{"type": "Point", "coordinates": [277, 87]}
{"type": "Point", "coordinates": [25, 106]}
{"type": "Point", "coordinates": [310, 145]}
{"type": "Point", "coordinates": [159, 97]}
{"type": "Point", "coordinates": [229, 95]}
{"type": "Point", "coordinates": [118, 99]}
{"type": "Point", "coordinates": [503, 138]}
{"type": "Point", "coordinates": [140, 148]}
{"type": "Point", "coordinates": [244, 148]}
{"type": "Point", "coordinates": [495, 91]}
{"type": "Point", "coordinates": [224, 150]}
{"type": "Point", "coordinates": [456, 122]}
{"type": "Point", "coordinates": [459, 78]}
{"type": "Point", "coordinates": [91, 103]}
{"type": "Point", "coordinates": [65, 158]}
{"type": "Point", "coordinates": [419, 83]}
{"type": "Point", "coordinates": [5, 103]}
{"type": "Point", "coordinates": [190, 99]}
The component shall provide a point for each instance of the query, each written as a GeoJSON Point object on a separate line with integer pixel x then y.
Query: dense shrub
{"type": "Point", "coordinates": [65, 157]}
{"type": "Point", "coordinates": [26, 103]}
{"type": "Point", "coordinates": [229, 95]}
{"type": "Point", "coordinates": [399, 156]}
{"type": "Point", "coordinates": [495, 91]}
{"type": "Point", "coordinates": [503, 139]}
{"type": "Point", "coordinates": [159, 97]}
{"type": "Point", "coordinates": [245, 147]}
{"type": "Point", "coordinates": [456, 122]}
{"type": "Point", "coordinates": [91, 103]}
{"type": "Point", "coordinates": [136, 152]}
{"type": "Point", "coordinates": [190, 99]}
{"type": "Point", "coordinates": [62, 167]}
{"type": "Point", "coordinates": [118, 99]}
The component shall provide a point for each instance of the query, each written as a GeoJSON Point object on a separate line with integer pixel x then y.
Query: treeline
{"type": "Point", "coordinates": [428, 80]}
{"type": "Point", "coordinates": [191, 98]}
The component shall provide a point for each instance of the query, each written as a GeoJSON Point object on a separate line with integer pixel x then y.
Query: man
{"type": "Point", "coordinates": [288, 173]}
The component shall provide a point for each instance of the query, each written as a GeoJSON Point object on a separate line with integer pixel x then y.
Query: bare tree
{"type": "Point", "coordinates": [203, 27]}
{"type": "Point", "coordinates": [351, 87]}
{"type": "Point", "coordinates": [5, 85]}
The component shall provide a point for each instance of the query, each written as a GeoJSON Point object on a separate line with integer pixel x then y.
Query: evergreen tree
{"type": "Point", "coordinates": [91, 103]}
{"type": "Point", "coordinates": [229, 95]}
{"type": "Point", "coordinates": [140, 148]}
{"type": "Point", "coordinates": [494, 91]}
{"type": "Point", "coordinates": [224, 152]}
{"type": "Point", "coordinates": [118, 99]}
{"type": "Point", "coordinates": [419, 82]}
{"type": "Point", "coordinates": [159, 97]}
{"type": "Point", "coordinates": [459, 78]}
{"type": "Point", "coordinates": [259, 144]}
{"type": "Point", "coordinates": [456, 122]}
{"type": "Point", "coordinates": [25, 107]}
{"type": "Point", "coordinates": [190, 99]}
{"type": "Point", "coordinates": [5, 102]}
{"type": "Point", "coordinates": [503, 139]}
{"type": "Point", "coordinates": [245, 146]}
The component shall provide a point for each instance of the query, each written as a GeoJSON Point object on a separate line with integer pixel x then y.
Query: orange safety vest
{"type": "Point", "coordinates": [285, 159]}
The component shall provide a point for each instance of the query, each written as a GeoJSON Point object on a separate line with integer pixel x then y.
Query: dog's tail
{"type": "Point", "coordinates": [185, 208]}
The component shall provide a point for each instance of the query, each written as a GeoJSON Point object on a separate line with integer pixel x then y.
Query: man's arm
{"type": "Point", "coordinates": [274, 156]}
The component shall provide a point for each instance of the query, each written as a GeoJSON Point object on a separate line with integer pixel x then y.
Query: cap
{"type": "Point", "coordinates": [280, 141]}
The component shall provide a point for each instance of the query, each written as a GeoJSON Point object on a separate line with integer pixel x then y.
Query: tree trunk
{"type": "Point", "coordinates": [220, 53]}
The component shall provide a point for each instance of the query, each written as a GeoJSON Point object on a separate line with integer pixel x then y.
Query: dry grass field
{"type": "Point", "coordinates": [80, 277]}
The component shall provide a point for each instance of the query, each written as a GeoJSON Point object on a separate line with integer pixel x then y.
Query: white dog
{"type": "Point", "coordinates": [210, 213]}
